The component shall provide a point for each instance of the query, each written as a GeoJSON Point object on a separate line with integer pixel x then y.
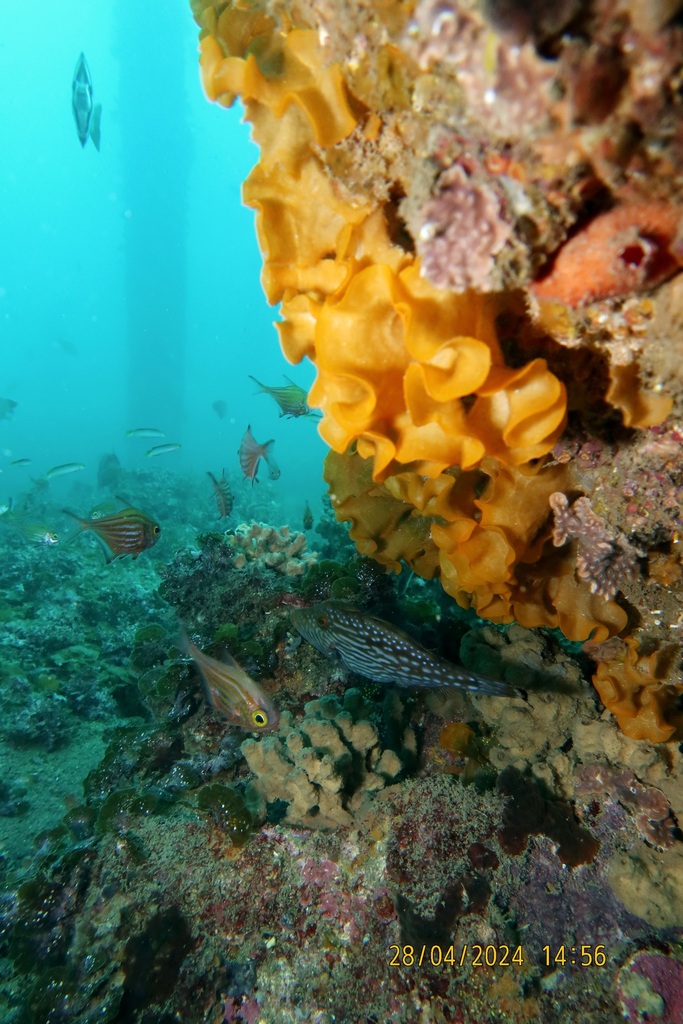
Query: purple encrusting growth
{"type": "Point", "coordinates": [602, 559]}
{"type": "Point", "coordinates": [462, 231]}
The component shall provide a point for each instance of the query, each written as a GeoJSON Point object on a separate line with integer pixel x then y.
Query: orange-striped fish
{"type": "Point", "coordinates": [251, 453]}
{"type": "Point", "coordinates": [127, 532]}
{"type": "Point", "coordinates": [222, 494]}
{"type": "Point", "coordinates": [232, 693]}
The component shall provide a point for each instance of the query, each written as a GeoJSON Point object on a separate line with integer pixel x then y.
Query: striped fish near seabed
{"type": "Point", "coordinates": [222, 494]}
{"type": "Point", "coordinates": [86, 114]}
{"type": "Point", "coordinates": [232, 693]}
{"type": "Point", "coordinates": [127, 532]}
{"type": "Point", "coordinates": [376, 649]}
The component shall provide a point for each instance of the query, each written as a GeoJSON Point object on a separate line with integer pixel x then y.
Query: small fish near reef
{"type": "Point", "coordinates": [232, 693]}
{"type": "Point", "coordinates": [86, 114]}
{"type": "Point", "coordinates": [30, 531]}
{"type": "Point", "coordinates": [64, 470]}
{"type": "Point", "coordinates": [251, 452]}
{"type": "Point", "coordinates": [222, 494]}
{"type": "Point", "coordinates": [378, 650]}
{"type": "Point", "coordinates": [162, 449]}
{"type": "Point", "coordinates": [220, 408]}
{"type": "Point", "coordinates": [127, 532]}
{"type": "Point", "coordinates": [7, 407]}
{"type": "Point", "coordinates": [308, 518]}
{"type": "Point", "coordinates": [145, 432]}
{"type": "Point", "coordinates": [292, 400]}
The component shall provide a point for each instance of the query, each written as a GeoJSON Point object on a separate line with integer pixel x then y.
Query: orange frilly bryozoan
{"type": "Point", "coordinates": [434, 437]}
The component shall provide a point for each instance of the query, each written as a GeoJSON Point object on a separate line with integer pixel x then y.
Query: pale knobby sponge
{"type": "Point", "coordinates": [326, 769]}
{"type": "Point", "coordinates": [273, 547]}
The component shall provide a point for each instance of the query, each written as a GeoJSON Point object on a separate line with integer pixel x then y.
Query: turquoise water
{"type": "Point", "coordinates": [129, 278]}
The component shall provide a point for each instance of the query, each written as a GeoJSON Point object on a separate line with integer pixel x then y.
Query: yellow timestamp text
{"type": "Point", "coordinates": [473, 955]}
{"type": "Point", "coordinates": [575, 956]}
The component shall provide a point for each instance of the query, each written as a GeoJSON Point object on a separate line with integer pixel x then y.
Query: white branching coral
{"type": "Point", "coordinates": [601, 559]}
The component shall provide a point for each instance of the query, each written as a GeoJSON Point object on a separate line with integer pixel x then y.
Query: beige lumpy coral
{"type": "Point", "coordinates": [273, 547]}
{"type": "Point", "coordinates": [326, 768]}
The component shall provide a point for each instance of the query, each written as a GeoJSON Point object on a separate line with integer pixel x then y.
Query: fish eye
{"type": "Point", "coordinates": [259, 718]}
{"type": "Point", "coordinates": [323, 621]}
{"type": "Point", "coordinates": [156, 530]}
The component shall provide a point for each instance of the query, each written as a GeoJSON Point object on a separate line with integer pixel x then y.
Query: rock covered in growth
{"type": "Point", "coordinates": [271, 546]}
{"type": "Point", "coordinates": [326, 768]}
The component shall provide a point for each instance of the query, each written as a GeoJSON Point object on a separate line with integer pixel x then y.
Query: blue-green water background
{"type": "Point", "coordinates": [130, 288]}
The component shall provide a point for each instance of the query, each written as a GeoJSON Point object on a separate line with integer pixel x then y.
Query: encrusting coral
{"type": "Point", "coordinates": [400, 213]}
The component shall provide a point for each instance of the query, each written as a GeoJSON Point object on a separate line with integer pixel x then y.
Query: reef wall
{"type": "Point", "coordinates": [470, 214]}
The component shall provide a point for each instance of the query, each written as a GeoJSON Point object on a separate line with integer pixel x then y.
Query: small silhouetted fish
{"type": "Point", "coordinates": [220, 408]}
{"type": "Point", "coordinates": [67, 347]}
{"type": "Point", "coordinates": [251, 453]}
{"type": "Point", "coordinates": [162, 449]}
{"type": "Point", "coordinates": [68, 467]}
{"type": "Point", "coordinates": [127, 532]}
{"type": "Point", "coordinates": [376, 649]}
{"type": "Point", "coordinates": [21, 462]}
{"type": "Point", "coordinates": [86, 114]}
{"type": "Point", "coordinates": [232, 693]}
{"type": "Point", "coordinates": [109, 471]}
{"type": "Point", "coordinates": [308, 517]}
{"type": "Point", "coordinates": [222, 494]}
{"type": "Point", "coordinates": [7, 407]}
{"type": "Point", "coordinates": [291, 399]}
{"type": "Point", "coordinates": [145, 432]}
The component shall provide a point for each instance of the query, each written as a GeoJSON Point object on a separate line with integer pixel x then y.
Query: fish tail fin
{"type": "Point", "coordinates": [95, 126]}
{"type": "Point", "coordinates": [77, 530]}
{"type": "Point", "coordinates": [258, 383]}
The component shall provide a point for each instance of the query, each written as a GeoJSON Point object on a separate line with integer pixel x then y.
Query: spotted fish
{"type": "Point", "coordinates": [380, 651]}
{"type": "Point", "coordinates": [232, 693]}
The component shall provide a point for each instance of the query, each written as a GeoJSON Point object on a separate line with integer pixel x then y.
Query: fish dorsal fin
{"type": "Point", "coordinates": [228, 660]}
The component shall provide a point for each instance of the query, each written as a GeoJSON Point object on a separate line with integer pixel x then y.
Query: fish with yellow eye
{"type": "Point", "coordinates": [232, 693]}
